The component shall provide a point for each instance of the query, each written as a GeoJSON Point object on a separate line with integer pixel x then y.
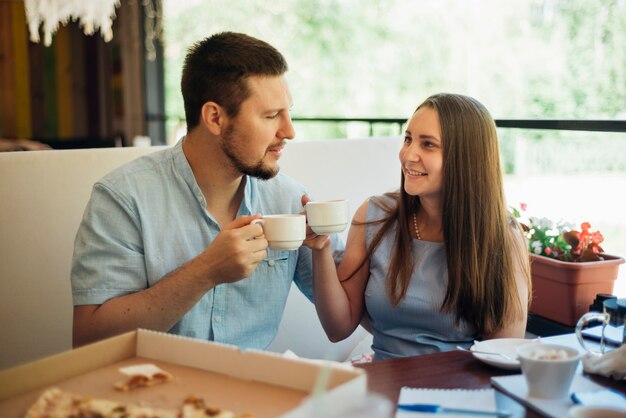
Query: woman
{"type": "Point", "coordinates": [440, 262]}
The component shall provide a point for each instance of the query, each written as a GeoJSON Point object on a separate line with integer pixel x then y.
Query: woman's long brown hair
{"type": "Point", "coordinates": [479, 235]}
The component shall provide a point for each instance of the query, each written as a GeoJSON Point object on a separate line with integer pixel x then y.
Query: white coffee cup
{"type": "Point", "coordinates": [283, 232]}
{"type": "Point", "coordinates": [548, 368]}
{"type": "Point", "coordinates": [327, 216]}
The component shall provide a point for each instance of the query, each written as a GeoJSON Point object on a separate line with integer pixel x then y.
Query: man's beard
{"type": "Point", "coordinates": [231, 143]}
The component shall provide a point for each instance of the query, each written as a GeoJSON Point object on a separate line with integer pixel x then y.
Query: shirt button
{"type": "Point", "coordinates": [271, 262]}
{"type": "Point", "coordinates": [218, 318]}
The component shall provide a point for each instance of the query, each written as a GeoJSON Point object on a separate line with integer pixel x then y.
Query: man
{"type": "Point", "coordinates": [167, 243]}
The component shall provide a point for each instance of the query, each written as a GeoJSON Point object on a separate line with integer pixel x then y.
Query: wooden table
{"type": "Point", "coordinates": [447, 370]}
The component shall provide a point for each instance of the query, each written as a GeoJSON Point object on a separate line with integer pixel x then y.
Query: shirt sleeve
{"type": "Point", "coordinates": [108, 250]}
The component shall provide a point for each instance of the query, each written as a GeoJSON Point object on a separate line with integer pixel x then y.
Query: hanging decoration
{"type": "Point", "coordinates": [92, 15]}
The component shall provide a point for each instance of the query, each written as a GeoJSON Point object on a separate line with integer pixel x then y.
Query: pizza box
{"type": "Point", "coordinates": [243, 381]}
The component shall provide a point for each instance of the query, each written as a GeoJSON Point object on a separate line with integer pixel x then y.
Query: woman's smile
{"type": "Point", "coordinates": [413, 173]}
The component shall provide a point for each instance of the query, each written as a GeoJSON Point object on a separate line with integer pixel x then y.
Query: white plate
{"type": "Point", "coordinates": [505, 346]}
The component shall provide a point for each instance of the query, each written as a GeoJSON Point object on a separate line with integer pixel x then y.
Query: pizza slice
{"type": "Point", "coordinates": [142, 375]}
{"type": "Point", "coordinates": [56, 403]}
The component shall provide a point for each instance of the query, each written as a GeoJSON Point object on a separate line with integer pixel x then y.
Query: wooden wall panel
{"type": "Point", "coordinates": [131, 55]}
{"type": "Point", "coordinates": [79, 88]}
{"type": "Point", "coordinates": [105, 87]}
{"type": "Point", "coordinates": [64, 82]}
{"type": "Point", "coordinates": [77, 80]}
{"type": "Point", "coordinates": [37, 108]}
{"type": "Point", "coordinates": [117, 73]}
{"type": "Point", "coordinates": [135, 57]}
{"type": "Point", "coordinates": [8, 111]}
{"type": "Point", "coordinates": [50, 105]}
{"type": "Point", "coordinates": [92, 90]}
{"type": "Point", "coordinates": [22, 70]}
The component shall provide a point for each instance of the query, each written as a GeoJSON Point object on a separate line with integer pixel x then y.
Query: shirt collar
{"type": "Point", "coordinates": [249, 196]}
{"type": "Point", "coordinates": [184, 169]}
{"type": "Point", "coordinates": [250, 193]}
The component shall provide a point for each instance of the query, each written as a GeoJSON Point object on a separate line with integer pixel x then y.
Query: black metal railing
{"type": "Point", "coordinates": [548, 124]}
{"type": "Point", "coordinates": [607, 125]}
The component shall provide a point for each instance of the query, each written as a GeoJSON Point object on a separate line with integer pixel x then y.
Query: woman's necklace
{"type": "Point", "coordinates": [417, 230]}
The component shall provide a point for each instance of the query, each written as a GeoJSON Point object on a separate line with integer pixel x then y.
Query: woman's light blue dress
{"type": "Point", "coordinates": [417, 325]}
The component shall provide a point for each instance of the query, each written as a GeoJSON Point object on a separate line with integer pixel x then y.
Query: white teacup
{"type": "Point", "coordinates": [283, 232]}
{"type": "Point", "coordinates": [548, 368]}
{"type": "Point", "coordinates": [327, 216]}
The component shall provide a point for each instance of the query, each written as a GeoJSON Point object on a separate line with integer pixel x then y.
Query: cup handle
{"type": "Point", "coordinates": [583, 321]}
{"type": "Point", "coordinates": [258, 222]}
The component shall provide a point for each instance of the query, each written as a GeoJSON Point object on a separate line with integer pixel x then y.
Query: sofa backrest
{"type": "Point", "coordinates": [42, 198]}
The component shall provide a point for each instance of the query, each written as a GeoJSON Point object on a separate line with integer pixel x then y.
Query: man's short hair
{"type": "Point", "coordinates": [216, 69]}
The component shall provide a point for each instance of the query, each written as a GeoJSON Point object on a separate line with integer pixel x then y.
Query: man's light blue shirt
{"type": "Point", "coordinates": [148, 217]}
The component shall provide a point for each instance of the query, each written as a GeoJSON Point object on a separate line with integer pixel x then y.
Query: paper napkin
{"type": "Point", "coordinates": [481, 399]}
{"type": "Point", "coordinates": [609, 398]}
{"type": "Point", "coordinates": [611, 364]}
{"type": "Point", "coordinates": [515, 386]}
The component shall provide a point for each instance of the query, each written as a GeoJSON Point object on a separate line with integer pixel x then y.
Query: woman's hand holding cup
{"type": "Point", "coordinates": [323, 217]}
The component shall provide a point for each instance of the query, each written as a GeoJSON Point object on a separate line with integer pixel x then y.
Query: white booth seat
{"type": "Point", "coordinates": [42, 198]}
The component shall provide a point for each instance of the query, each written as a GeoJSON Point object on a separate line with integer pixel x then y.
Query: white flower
{"type": "Point", "coordinates": [537, 247]}
{"type": "Point", "coordinates": [553, 232]}
{"type": "Point", "coordinates": [542, 223]}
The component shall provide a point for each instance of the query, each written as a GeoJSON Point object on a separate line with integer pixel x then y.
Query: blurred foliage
{"type": "Point", "coordinates": [380, 58]}
{"type": "Point", "coordinates": [536, 152]}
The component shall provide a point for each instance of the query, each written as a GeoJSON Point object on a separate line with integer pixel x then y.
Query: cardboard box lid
{"type": "Point", "coordinates": [239, 370]}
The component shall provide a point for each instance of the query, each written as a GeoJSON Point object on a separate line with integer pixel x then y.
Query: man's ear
{"type": "Point", "coordinates": [213, 117]}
